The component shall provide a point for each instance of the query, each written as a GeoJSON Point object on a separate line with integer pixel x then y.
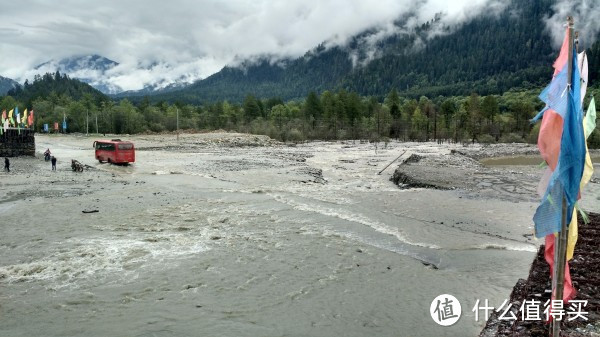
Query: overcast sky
{"type": "Point", "coordinates": [194, 39]}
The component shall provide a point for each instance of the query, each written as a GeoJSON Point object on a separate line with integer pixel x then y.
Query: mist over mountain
{"type": "Point", "coordinates": [6, 84]}
{"type": "Point", "coordinates": [491, 53]}
{"type": "Point", "coordinates": [428, 49]}
{"type": "Point", "coordinates": [75, 64]}
{"type": "Point", "coordinates": [94, 70]}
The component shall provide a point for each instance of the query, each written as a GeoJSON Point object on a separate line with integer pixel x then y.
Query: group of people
{"type": "Point", "coordinates": [47, 157]}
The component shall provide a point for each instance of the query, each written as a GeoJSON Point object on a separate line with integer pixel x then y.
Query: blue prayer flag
{"type": "Point", "coordinates": [566, 178]}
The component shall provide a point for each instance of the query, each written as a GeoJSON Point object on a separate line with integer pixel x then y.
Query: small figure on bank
{"type": "Point", "coordinates": [53, 163]}
{"type": "Point", "coordinates": [6, 164]}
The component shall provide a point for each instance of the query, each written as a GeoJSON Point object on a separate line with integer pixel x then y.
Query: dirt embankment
{"type": "Point", "coordinates": [191, 142]}
{"type": "Point", "coordinates": [438, 171]}
{"type": "Point", "coordinates": [585, 274]}
{"type": "Point", "coordinates": [456, 167]}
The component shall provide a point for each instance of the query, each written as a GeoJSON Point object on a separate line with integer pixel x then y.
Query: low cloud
{"type": "Point", "coordinates": [183, 40]}
{"type": "Point", "coordinates": [585, 14]}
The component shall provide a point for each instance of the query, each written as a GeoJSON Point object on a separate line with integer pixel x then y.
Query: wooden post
{"type": "Point", "coordinates": [560, 241]}
{"type": "Point", "coordinates": [388, 165]}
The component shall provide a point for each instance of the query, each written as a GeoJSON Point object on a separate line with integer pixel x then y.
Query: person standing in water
{"type": "Point", "coordinates": [6, 164]}
{"type": "Point", "coordinates": [53, 163]}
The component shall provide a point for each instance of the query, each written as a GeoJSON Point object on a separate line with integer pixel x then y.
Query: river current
{"type": "Point", "coordinates": [247, 241]}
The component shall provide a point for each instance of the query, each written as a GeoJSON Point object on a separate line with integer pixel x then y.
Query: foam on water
{"type": "Point", "coordinates": [78, 259]}
{"type": "Point", "coordinates": [525, 247]}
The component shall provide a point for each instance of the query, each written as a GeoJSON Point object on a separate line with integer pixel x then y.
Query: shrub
{"type": "Point", "coordinates": [294, 135]}
{"type": "Point", "coordinates": [486, 139]}
{"type": "Point", "coordinates": [593, 140]}
{"type": "Point", "coordinates": [533, 135]}
{"type": "Point", "coordinates": [156, 127]}
{"type": "Point", "coordinates": [511, 138]}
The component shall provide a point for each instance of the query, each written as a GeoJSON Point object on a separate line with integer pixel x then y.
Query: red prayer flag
{"type": "Point", "coordinates": [549, 140]}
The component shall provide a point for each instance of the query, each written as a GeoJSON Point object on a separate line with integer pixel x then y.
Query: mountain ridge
{"type": "Point", "coordinates": [91, 69]}
{"type": "Point", "coordinates": [489, 54]}
{"type": "Point", "coordinates": [55, 85]}
{"type": "Point", "coordinates": [7, 84]}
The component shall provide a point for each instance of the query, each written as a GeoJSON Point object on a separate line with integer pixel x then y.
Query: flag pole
{"type": "Point", "coordinates": [560, 241]}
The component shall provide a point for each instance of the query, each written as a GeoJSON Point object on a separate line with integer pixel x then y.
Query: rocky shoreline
{"type": "Point", "coordinates": [585, 273]}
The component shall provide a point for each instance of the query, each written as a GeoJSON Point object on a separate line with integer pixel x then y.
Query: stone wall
{"type": "Point", "coordinates": [14, 143]}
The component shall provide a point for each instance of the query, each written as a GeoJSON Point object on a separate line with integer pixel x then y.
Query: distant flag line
{"type": "Point", "coordinates": [14, 120]}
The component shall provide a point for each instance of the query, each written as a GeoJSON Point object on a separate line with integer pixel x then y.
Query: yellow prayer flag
{"type": "Point", "coordinates": [589, 124]}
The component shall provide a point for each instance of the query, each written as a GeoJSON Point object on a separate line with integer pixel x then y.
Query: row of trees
{"type": "Point", "coordinates": [328, 116]}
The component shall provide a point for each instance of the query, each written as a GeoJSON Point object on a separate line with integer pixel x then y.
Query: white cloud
{"type": "Point", "coordinates": [585, 14]}
{"type": "Point", "coordinates": [166, 41]}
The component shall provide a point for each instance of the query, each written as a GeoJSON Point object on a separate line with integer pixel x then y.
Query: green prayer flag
{"type": "Point", "coordinates": [589, 121]}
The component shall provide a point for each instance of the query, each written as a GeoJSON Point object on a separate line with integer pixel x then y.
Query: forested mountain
{"type": "Point", "coordinates": [54, 85]}
{"type": "Point", "coordinates": [6, 84]}
{"type": "Point", "coordinates": [489, 55]}
{"type": "Point", "coordinates": [318, 70]}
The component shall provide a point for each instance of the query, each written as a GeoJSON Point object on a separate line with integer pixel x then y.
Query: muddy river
{"type": "Point", "coordinates": [208, 238]}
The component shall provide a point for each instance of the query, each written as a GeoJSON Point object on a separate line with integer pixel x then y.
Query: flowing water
{"type": "Point", "coordinates": [522, 160]}
{"type": "Point", "coordinates": [248, 241]}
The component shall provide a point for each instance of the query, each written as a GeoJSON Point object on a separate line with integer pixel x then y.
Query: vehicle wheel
{"type": "Point", "coordinates": [109, 161]}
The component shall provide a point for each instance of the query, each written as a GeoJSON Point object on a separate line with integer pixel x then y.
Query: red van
{"type": "Point", "coordinates": [115, 151]}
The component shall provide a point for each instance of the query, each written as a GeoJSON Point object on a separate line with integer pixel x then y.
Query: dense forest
{"type": "Point", "coordinates": [490, 54]}
{"type": "Point", "coordinates": [329, 115]}
{"type": "Point", "coordinates": [53, 85]}
{"type": "Point", "coordinates": [6, 84]}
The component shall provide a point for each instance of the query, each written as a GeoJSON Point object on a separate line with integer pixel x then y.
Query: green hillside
{"type": "Point", "coordinates": [54, 85]}
{"type": "Point", "coordinates": [490, 55]}
{"type": "Point", "coordinates": [6, 84]}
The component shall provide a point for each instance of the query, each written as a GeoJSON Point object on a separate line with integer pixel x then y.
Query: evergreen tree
{"type": "Point", "coordinates": [418, 125]}
{"type": "Point", "coordinates": [312, 107]}
{"type": "Point", "coordinates": [490, 108]}
{"type": "Point", "coordinates": [393, 103]}
{"type": "Point", "coordinates": [448, 109]}
{"type": "Point", "coordinates": [251, 108]}
{"type": "Point", "coordinates": [474, 121]}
